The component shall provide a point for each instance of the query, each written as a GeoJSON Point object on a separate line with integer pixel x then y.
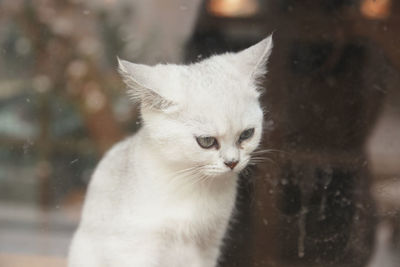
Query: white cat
{"type": "Point", "coordinates": [164, 197]}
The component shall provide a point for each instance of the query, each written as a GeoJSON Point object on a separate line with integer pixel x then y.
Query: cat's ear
{"type": "Point", "coordinates": [138, 78]}
{"type": "Point", "coordinates": [253, 60]}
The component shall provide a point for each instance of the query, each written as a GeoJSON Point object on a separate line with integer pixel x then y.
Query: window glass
{"type": "Point", "coordinates": [328, 193]}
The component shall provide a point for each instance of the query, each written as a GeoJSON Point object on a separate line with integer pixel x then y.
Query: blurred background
{"type": "Point", "coordinates": [330, 194]}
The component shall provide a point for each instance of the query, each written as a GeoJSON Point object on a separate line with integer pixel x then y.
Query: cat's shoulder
{"type": "Point", "coordinates": [118, 154]}
{"type": "Point", "coordinates": [121, 147]}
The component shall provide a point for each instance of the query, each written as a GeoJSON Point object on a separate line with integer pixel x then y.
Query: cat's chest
{"type": "Point", "coordinates": [190, 210]}
{"type": "Point", "coordinates": [197, 213]}
{"type": "Point", "coordinates": [182, 204]}
{"type": "Point", "coordinates": [196, 222]}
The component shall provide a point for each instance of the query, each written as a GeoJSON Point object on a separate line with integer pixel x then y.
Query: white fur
{"type": "Point", "coordinates": [158, 198]}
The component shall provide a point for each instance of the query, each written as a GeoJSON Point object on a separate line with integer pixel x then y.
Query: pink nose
{"type": "Point", "coordinates": [231, 164]}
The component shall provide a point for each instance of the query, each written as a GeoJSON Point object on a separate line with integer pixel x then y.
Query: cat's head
{"type": "Point", "coordinates": [205, 116]}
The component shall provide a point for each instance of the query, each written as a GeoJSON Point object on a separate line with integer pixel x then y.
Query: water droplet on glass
{"type": "Point", "coordinates": [302, 232]}
{"type": "Point", "coordinates": [322, 207]}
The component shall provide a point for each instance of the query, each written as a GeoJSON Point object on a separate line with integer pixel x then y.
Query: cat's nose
{"type": "Point", "coordinates": [231, 164]}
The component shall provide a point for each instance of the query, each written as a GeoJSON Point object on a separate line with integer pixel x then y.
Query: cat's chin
{"type": "Point", "coordinates": [223, 173]}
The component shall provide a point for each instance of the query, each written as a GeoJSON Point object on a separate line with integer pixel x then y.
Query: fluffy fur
{"type": "Point", "coordinates": [158, 198]}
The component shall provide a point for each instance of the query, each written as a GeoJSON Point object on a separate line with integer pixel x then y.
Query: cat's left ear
{"type": "Point", "coordinates": [253, 60]}
{"type": "Point", "coordinates": [139, 79]}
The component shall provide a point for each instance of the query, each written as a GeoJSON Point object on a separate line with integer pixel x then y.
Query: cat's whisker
{"type": "Point", "coordinates": [256, 160]}
{"type": "Point", "coordinates": [204, 178]}
{"type": "Point", "coordinates": [272, 150]}
{"type": "Point", "coordinates": [184, 172]}
{"type": "Point", "coordinates": [260, 160]}
{"type": "Point", "coordinates": [192, 176]}
{"type": "Point", "coordinates": [260, 157]}
{"type": "Point", "coordinates": [184, 177]}
{"type": "Point", "coordinates": [198, 180]}
{"type": "Point", "coordinates": [261, 151]}
{"type": "Point", "coordinates": [267, 151]}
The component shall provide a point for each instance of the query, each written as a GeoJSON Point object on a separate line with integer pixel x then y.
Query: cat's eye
{"type": "Point", "coordinates": [246, 134]}
{"type": "Point", "coordinates": [207, 141]}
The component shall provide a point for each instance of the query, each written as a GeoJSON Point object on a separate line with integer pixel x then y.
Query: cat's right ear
{"type": "Point", "coordinates": [138, 79]}
{"type": "Point", "coordinates": [253, 60]}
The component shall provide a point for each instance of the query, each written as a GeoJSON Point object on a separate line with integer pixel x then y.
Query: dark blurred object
{"type": "Point", "coordinates": [327, 78]}
{"type": "Point", "coordinates": [223, 29]}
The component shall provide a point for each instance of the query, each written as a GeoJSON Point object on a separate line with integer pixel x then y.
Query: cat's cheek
{"type": "Point", "coordinates": [254, 144]}
{"type": "Point", "coordinates": [249, 148]}
{"type": "Point", "coordinates": [207, 157]}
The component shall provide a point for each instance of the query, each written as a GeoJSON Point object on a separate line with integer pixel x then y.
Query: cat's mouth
{"type": "Point", "coordinates": [240, 166]}
{"type": "Point", "coordinates": [221, 169]}
{"type": "Point", "coordinates": [236, 167]}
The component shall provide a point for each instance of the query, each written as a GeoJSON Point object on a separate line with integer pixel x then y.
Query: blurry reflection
{"type": "Point", "coordinates": [328, 198]}
{"type": "Point", "coordinates": [376, 9]}
{"type": "Point", "coordinates": [233, 8]}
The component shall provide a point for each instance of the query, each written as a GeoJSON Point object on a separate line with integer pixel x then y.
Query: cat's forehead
{"type": "Point", "coordinates": [205, 80]}
{"type": "Point", "coordinates": [224, 116]}
{"type": "Point", "coordinates": [215, 78]}
{"type": "Point", "coordinates": [209, 81]}
{"type": "Point", "coordinates": [217, 97]}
